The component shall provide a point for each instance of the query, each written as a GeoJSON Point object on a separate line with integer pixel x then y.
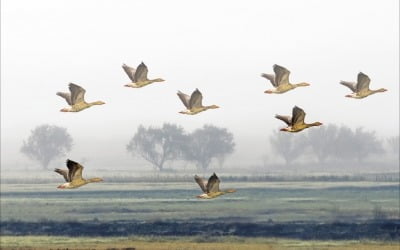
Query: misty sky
{"type": "Point", "coordinates": [220, 47]}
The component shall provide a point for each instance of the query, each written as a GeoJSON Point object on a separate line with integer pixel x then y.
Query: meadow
{"type": "Point", "coordinates": [253, 202]}
{"type": "Point", "coordinates": [260, 215]}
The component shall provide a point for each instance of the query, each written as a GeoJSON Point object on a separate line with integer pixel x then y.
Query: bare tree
{"type": "Point", "coordinates": [46, 143]}
{"type": "Point", "coordinates": [207, 143]}
{"type": "Point", "coordinates": [289, 146]}
{"type": "Point", "coordinates": [357, 144]}
{"type": "Point", "coordinates": [344, 147]}
{"type": "Point", "coordinates": [158, 145]}
{"type": "Point", "coordinates": [323, 141]}
{"type": "Point", "coordinates": [366, 143]}
{"type": "Point", "coordinates": [393, 143]}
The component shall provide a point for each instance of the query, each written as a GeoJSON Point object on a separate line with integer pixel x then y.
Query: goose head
{"type": "Point", "coordinates": [316, 123]}
{"type": "Point", "coordinates": [95, 180]}
{"type": "Point", "coordinates": [303, 84]}
{"type": "Point", "coordinates": [213, 107]}
{"type": "Point", "coordinates": [98, 103]}
{"type": "Point", "coordinates": [158, 80]}
{"type": "Point", "coordinates": [381, 90]}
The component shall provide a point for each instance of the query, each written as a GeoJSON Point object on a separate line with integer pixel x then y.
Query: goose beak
{"type": "Point", "coordinates": [61, 187]}
{"type": "Point", "coordinates": [268, 91]}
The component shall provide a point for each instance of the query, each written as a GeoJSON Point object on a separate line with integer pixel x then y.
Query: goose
{"type": "Point", "coordinates": [211, 188]}
{"type": "Point", "coordinates": [138, 76]}
{"type": "Point", "coordinates": [296, 122]}
{"type": "Point", "coordinates": [74, 176]}
{"type": "Point", "coordinates": [193, 103]}
{"type": "Point", "coordinates": [361, 88]}
{"type": "Point", "coordinates": [76, 99]}
{"type": "Point", "coordinates": [281, 81]}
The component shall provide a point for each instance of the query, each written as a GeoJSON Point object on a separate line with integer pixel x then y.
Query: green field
{"type": "Point", "coordinates": [253, 202]}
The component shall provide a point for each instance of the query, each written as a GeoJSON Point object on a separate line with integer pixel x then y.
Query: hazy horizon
{"type": "Point", "coordinates": [221, 48]}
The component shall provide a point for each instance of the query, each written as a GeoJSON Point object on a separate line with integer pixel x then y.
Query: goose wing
{"type": "Point", "coordinates": [202, 183]}
{"type": "Point", "coordinates": [75, 170]}
{"type": "Point", "coordinates": [66, 96]}
{"type": "Point", "coordinates": [285, 119]}
{"type": "Point", "coordinates": [63, 173]}
{"type": "Point", "coordinates": [129, 71]}
{"type": "Point", "coordinates": [298, 116]}
{"type": "Point", "coordinates": [213, 184]}
{"type": "Point", "coordinates": [141, 73]}
{"type": "Point", "coordinates": [77, 93]}
{"type": "Point", "coordinates": [350, 85]}
{"type": "Point", "coordinates": [281, 75]}
{"type": "Point", "coordinates": [196, 99]}
{"type": "Point", "coordinates": [362, 82]}
{"type": "Point", "coordinates": [271, 78]}
{"type": "Point", "coordinates": [184, 98]}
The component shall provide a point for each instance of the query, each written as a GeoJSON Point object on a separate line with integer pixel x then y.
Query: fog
{"type": "Point", "coordinates": [220, 47]}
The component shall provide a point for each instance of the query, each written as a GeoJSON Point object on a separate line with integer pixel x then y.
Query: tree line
{"type": "Point", "coordinates": [332, 143]}
{"type": "Point", "coordinates": [170, 142]}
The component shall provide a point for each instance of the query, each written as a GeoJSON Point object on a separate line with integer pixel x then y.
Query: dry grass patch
{"type": "Point", "coordinates": [186, 243]}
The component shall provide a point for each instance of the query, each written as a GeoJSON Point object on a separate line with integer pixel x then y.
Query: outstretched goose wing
{"type": "Point", "coordinates": [285, 119]}
{"type": "Point", "coordinates": [77, 93]}
{"type": "Point", "coordinates": [201, 182]}
{"type": "Point", "coordinates": [362, 82]}
{"type": "Point", "coordinates": [75, 170]}
{"type": "Point", "coordinates": [66, 96]}
{"type": "Point", "coordinates": [350, 85]}
{"type": "Point", "coordinates": [63, 173]}
{"type": "Point", "coordinates": [196, 99]}
{"type": "Point", "coordinates": [141, 73]}
{"type": "Point", "coordinates": [184, 98]}
{"type": "Point", "coordinates": [281, 75]}
{"type": "Point", "coordinates": [271, 78]}
{"type": "Point", "coordinates": [129, 71]}
{"type": "Point", "coordinates": [298, 116]}
{"type": "Point", "coordinates": [213, 184]}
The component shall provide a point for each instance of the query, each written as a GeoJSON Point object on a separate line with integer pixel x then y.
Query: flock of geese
{"type": "Point", "coordinates": [193, 104]}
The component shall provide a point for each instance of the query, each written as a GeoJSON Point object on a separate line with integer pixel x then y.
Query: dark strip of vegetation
{"type": "Point", "coordinates": [388, 230]}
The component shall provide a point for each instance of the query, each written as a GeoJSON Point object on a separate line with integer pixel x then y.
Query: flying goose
{"type": "Point", "coordinates": [281, 81]}
{"type": "Point", "coordinates": [296, 122]}
{"type": "Point", "coordinates": [361, 88]}
{"type": "Point", "coordinates": [138, 76]}
{"type": "Point", "coordinates": [193, 103]}
{"type": "Point", "coordinates": [211, 188]}
{"type": "Point", "coordinates": [76, 99]}
{"type": "Point", "coordinates": [74, 176]}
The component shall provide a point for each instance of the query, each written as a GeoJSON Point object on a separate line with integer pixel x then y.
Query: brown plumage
{"type": "Point", "coordinates": [73, 176]}
{"type": "Point", "coordinates": [194, 103]}
{"type": "Point", "coordinates": [296, 121]}
{"type": "Point", "coordinates": [76, 99]}
{"type": "Point", "coordinates": [139, 76]}
{"type": "Point", "coordinates": [211, 187]}
{"type": "Point", "coordinates": [281, 81]}
{"type": "Point", "coordinates": [361, 88]}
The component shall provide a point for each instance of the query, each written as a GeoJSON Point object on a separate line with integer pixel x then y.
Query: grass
{"type": "Point", "coordinates": [279, 202]}
{"type": "Point", "coordinates": [183, 243]}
